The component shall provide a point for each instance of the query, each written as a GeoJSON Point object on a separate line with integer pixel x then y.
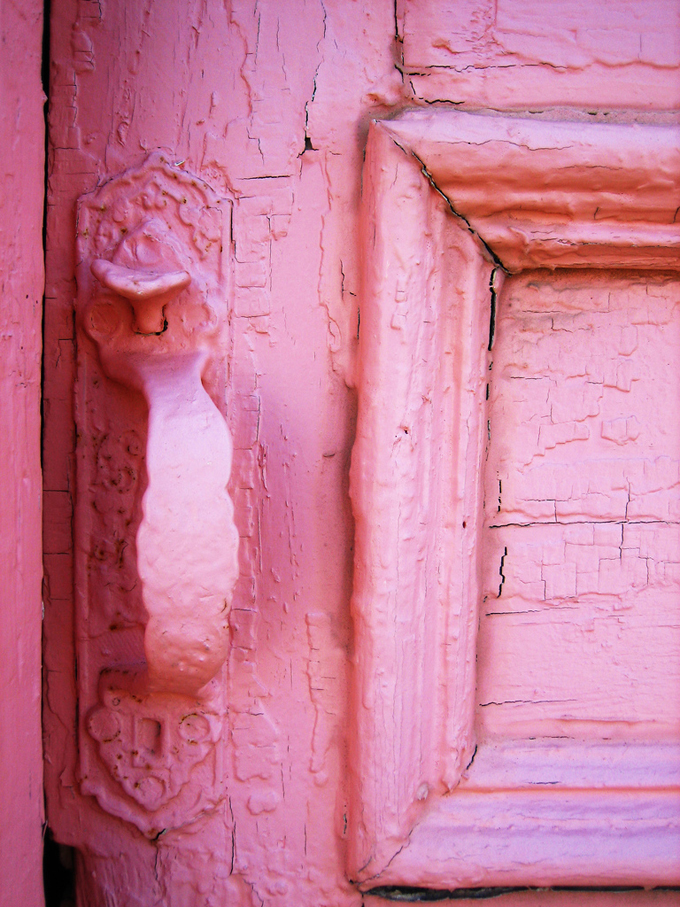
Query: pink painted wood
{"type": "Point", "coordinates": [270, 104]}
{"type": "Point", "coordinates": [21, 292]}
{"type": "Point", "coordinates": [506, 56]}
{"type": "Point", "coordinates": [525, 192]}
{"type": "Point", "coordinates": [420, 439]}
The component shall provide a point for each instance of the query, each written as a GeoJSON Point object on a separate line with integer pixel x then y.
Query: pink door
{"type": "Point", "coordinates": [435, 241]}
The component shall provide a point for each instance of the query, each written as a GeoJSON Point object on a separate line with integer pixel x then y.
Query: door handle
{"type": "Point", "coordinates": [187, 541]}
{"type": "Point", "coordinates": [153, 289]}
{"type": "Point", "coordinates": [154, 314]}
{"type": "Point", "coordinates": [145, 290]}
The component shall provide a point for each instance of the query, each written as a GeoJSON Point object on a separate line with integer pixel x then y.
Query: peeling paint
{"type": "Point", "coordinates": [271, 104]}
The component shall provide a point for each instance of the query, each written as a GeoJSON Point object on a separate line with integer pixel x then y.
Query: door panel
{"type": "Point", "coordinates": [581, 506]}
{"type": "Point", "coordinates": [520, 479]}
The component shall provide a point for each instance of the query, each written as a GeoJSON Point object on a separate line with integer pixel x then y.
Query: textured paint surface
{"type": "Point", "coordinates": [416, 497]}
{"type": "Point", "coordinates": [554, 192]}
{"type": "Point", "coordinates": [241, 84]}
{"type": "Point", "coordinates": [443, 797]}
{"type": "Point", "coordinates": [587, 526]}
{"type": "Point", "coordinates": [507, 54]}
{"type": "Point", "coordinates": [269, 103]}
{"type": "Point", "coordinates": [21, 283]}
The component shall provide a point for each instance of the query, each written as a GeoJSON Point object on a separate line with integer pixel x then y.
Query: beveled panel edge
{"type": "Point", "coordinates": [553, 194]}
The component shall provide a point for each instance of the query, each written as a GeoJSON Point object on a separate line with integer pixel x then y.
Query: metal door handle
{"type": "Point", "coordinates": [156, 313]}
{"type": "Point", "coordinates": [187, 540]}
{"type": "Point", "coordinates": [146, 291]}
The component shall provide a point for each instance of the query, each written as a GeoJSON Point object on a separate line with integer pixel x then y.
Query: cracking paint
{"type": "Point", "coordinates": [530, 674]}
{"type": "Point", "coordinates": [254, 81]}
{"type": "Point", "coordinates": [271, 104]}
{"type": "Point", "coordinates": [325, 671]}
{"type": "Point", "coordinates": [592, 512]}
{"type": "Point", "coordinates": [500, 570]}
{"type": "Point", "coordinates": [501, 54]}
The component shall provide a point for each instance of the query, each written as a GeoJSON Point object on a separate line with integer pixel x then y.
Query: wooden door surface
{"type": "Point", "coordinates": [514, 517]}
{"type": "Point", "coordinates": [402, 279]}
{"type": "Point", "coordinates": [22, 280]}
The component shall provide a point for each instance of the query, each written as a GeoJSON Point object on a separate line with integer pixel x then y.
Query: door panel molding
{"type": "Point", "coordinates": [452, 201]}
